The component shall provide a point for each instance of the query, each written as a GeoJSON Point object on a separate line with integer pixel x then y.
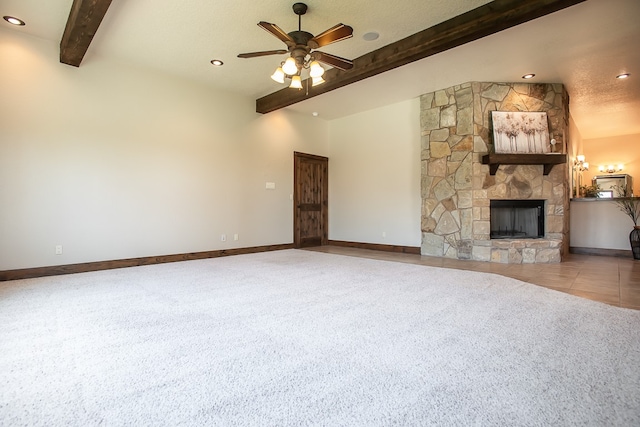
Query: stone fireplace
{"type": "Point", "coordinates": [457, 188]}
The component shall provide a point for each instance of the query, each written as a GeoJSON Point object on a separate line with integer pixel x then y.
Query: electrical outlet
{"type": "Point", "coordinates": [58, 249]}
{"type": "Point", "coordinates": [223, 237]}
{"type": "Point", "coordinates": [235, 236]}
{"type": "Point", "coordinates": [384, 234]}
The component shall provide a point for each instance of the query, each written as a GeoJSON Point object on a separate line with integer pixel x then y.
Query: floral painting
{"type": "Point", "coordinates": [520, 132]}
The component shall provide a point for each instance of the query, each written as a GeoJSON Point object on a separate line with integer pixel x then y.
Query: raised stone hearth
{"type": "Point", "coordinates": [457, 187]}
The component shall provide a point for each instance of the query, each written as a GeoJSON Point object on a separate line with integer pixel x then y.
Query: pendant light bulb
{"type": "Point", "coordinates": [315, 69]}
{"type": "Point", "coordinates": [278, 75]}
{"type": "Point", "coordinates": [296, 83]}
{"type": "Point", "coordinates": [290, 67]}
{"type": "Point", "coordinates": [315, 81]}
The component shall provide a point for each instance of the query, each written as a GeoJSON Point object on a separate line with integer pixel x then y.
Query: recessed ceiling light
{"type": "Point", "coordinates": [623, 76]}
{"type": "Point", "coordinates": [314, 114]}
{"type": "Point", "coordinates": [217, 62]}
{"type": "Point", "coordinates": [13, 20]}
{"type": "Point", "coordinates": [528, 76]}
{"type": "Point", "coordinates": [370, 36]}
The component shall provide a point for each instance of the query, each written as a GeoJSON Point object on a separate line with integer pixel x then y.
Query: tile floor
{"type": "Point", "coordinates": [611, 280]}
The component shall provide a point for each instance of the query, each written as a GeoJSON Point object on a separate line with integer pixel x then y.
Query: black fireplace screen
{"type": "Point", "coordinates": [517, 219]}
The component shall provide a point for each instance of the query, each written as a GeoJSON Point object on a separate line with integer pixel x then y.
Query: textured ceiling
{"type": "Point", "coordinates": [583, 46]}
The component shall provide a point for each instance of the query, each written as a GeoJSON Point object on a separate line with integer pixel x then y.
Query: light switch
{"type": "Point", "coordinates": [271, 186]}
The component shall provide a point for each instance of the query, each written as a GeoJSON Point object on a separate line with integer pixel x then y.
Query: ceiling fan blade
{"type": "Point", "coordinates": [278, 32]}
{"type": "Point", "coordinates": [334, 61]}
{"type": "Point", "coordinates": [334, 34]}
{"type": "Point", "coordinates": [263, 53]}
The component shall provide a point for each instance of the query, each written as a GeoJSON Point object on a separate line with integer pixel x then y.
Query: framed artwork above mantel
{"type": "Point", "coordinates": [521, 132]}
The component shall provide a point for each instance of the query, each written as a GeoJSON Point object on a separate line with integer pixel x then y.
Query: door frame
{"type": "Point", "coordinates": [297, 158]}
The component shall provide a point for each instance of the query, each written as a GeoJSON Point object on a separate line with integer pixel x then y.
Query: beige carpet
{"type": "Point", "coordinates": [302, 338]}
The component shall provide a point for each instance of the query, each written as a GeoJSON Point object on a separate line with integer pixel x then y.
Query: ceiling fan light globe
{"type": "Point", "coordinates": [278, 75]}
{"type": "Point", "coordinates": [315, 81]}
{"type": "Point", "coordinates": [290, 67]}
{"type": "Point", "coordinates": [315, 69]}
{"type": "Point", "coordinates": [296, 83]}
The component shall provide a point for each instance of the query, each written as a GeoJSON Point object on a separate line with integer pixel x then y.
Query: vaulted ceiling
{"type": "Point", "coordinates": [583, 46]}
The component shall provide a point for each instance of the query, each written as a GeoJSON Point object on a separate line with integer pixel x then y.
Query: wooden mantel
{"type": "Point", "coordinates": [547, 160]}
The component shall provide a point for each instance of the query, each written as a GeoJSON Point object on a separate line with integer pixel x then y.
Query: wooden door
{"type": "Point", "coordinates": [310, 200]}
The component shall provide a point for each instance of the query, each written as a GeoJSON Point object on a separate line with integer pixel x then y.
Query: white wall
{"type": "Point", "coordinates": [374, 176]}
{"type": "Point", "coordinates": [599, 224]}
{"type": "Point", "coordinates": [114, 162]}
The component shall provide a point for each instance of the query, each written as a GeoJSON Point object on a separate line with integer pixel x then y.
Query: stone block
{"type": "Point", "coordinates": [441, 98]}
{"type": "Point", "coordinates": [437, 167]}
{"type": "Point", "coordinates": [452, 167]}
{"type": "Point", "coordinates": [485, 213]}
{"type": "Point", "coordinates": [518, 244]}
{"type": "Point", "coordinates": [465, 199]}
{"type": "Point", "coordinates": [430, 119]}
{"type": "Point", "coordinates": [426, 101]}
{"type": "Point", "coordinates": [466, 144]}
{"type": "Point", "coordinates": [456, 216]}
{"type": "Point", "coordinates": [528, 256]}
{"type": "Point", "coordinates": [481, 202]}
{"type": "Point", "coordinates": [464, 97]}
{"type": "Point", "coordinates": [428, 205]}
{"type": "Point", "coordinates": [428, 224]}
{"type": "Point", "coordinates": [501, 244]}
{"type": "Point", "coordinates": [463, 176]}
{"type": "Point", "coordinates": [496, 92]}
{"type": "Point", "coordinates": [515, 257]}
{"type": "Point", "coordinates": [500, 255]}
{"type": "Point", "coordinates": [465, 121]}
{"type": "Point", "coordinates": [448, 116]}
{"type": "Point", "coordinates": [438, 211]}
{"type": "Point", "coordinates": [477, 213]}
{"type": "Point", "coordinates": [425, 141]}
{"type": "Point", "coordinates": [453, 138]}
{"type": "Point", "coordinates": [443, 190]}
{"type": "Point", "coordinates": [548, 256]}
{"type": "Point", "coordinates": [458, 156]}
{"type": "Point", "coordinates": [513, 102]}
{"type": "Point", "coordinates": [451, 253]}
{"type": "Point", "coordinates": [482, 227]}
{"type": "Point", "coordinates": [426, 184]}
{"type": "Point", "coordinates": [555, 224]}
{"type": "Point", "coordinates": [464, 249]}
{"type": "Point", "coordinates": [481, 253]}
{"type": "Point", "coordinates": [519, 189]}
{"type": "Point", "coordinates": [440, 135]}
{"type": "Point", "coordinates": [497, 191]}
{"type": "Point", "coordinates": [479, 146]}
{"type": "Point", "coordinates": [449, 204]}
{"type": "Point", "coordinates": [538, 244]}
{"type": "Point", "coordinates": [446, 225]}
{"type": "Point", "coordinates": [439, 149]}
{"type": "Point", "coordinates": [432, 245]}
{"type": "Point", "coordinates": [466, 224]}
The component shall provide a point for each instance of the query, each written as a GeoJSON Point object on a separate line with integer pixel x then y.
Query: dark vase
{"type": "Point", "coordinates": [634, 239]}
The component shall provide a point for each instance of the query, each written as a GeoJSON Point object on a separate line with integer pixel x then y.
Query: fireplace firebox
{"type": "Point", "coordinates": [517, 219]}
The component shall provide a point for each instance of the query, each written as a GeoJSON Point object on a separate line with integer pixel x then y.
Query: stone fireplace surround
{"type": "Point", "coordinates": [457, 188]}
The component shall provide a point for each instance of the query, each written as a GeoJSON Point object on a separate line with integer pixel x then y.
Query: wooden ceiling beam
{"type": "Point", "coordinates": [84, 19]}
{"type": "Point", "coordinates": [485, 20]}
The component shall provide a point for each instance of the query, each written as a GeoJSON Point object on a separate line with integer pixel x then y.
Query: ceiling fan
{"type": "Point", "coordinates": [301, 47]}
